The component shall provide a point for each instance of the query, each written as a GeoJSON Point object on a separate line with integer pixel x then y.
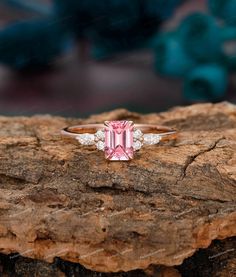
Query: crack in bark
{"type": "Point", "coordinates": [16, 179]}
{"type": "Point", "coordinates": [192, 159]}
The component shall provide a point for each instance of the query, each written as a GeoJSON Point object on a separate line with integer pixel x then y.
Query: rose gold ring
{"type": "Point", "coordinates": [119, 139]}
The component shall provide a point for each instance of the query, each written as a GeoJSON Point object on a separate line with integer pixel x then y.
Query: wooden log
{"type": "Point", "coordinates": [218, 260]}
{"type": "Point", "coordinates": [60, 199]}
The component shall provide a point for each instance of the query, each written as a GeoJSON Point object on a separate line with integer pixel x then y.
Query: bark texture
{"type": "Point", "coordinates": [218, 260]}
{"type": "Point", "coordinates": [60, 199]}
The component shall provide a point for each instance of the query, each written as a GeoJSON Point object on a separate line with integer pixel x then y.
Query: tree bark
{"type": "Point", "coordinates": [60, 199]}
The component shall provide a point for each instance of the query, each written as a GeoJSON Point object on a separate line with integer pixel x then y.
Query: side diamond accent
{"type": "Point", "coordinates": [151, 139]}
{"type": "Point", "coordinates": [137, 145]}
{"type": "Point", "coordinates": [100, 145]}
{"type": "Point", "coordinates": [86, 139]}
{"type": "Point", "coordinates": [138, 134]}
{"type": "Point", "coordinates": [100, 135]}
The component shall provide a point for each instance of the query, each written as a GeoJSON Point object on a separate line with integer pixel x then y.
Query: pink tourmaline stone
{"type": "Point", "coordinates": [119, 140]}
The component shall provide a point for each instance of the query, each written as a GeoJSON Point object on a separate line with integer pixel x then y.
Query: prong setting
{"type": "Point", "coordinates": [106, 123]}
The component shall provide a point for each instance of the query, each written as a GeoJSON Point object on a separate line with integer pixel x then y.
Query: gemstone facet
{"type": "Point", "coordinates": [119, 140]}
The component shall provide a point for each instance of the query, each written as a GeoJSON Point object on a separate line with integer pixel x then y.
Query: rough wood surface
{"type": "Point", "coordinates": [59, 199]}
{"type": "Point", "coordinates": [218, 260]}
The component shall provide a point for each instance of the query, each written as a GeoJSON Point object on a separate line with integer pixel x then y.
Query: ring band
{"type": "Point", "coordinates": [119, 139]}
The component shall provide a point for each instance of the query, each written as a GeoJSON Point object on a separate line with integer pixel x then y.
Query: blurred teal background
{"type": "Point", "coordinates": [75, 58]}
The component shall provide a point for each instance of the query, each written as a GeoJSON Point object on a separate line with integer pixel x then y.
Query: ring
{"type": "Point", "coordinates": [119, 139]}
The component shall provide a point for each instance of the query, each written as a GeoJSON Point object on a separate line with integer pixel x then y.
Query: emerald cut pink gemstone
{"type": "Point", "coordinates": [119, 140]}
